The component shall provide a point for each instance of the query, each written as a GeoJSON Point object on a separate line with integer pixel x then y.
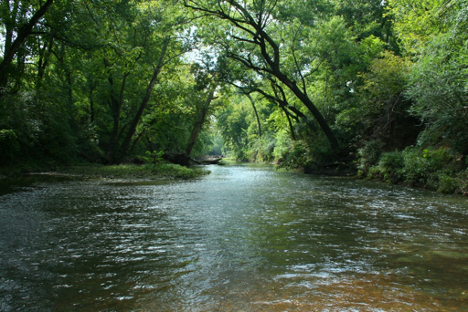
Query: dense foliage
{"type": "Point", "coordinates": [328, 86]}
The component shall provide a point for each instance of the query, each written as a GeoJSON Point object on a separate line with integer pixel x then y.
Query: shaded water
{"type": "Point", "coordinates": [245, 238]}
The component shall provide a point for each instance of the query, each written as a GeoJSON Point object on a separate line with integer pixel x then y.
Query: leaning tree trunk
{"type": "Point", "coordinates": [254, 24]}
{"type": "Point", "coordinates": [201, 120]}
{"type": "Point", "coordinates": [21, 36]}
{"type": "Point", "coordinates": [256, 115]}
{"type": "Point", "coordinates": [131, 130]}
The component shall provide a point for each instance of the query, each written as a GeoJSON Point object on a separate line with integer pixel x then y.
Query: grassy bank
{"type": "Point", "coordinates": [147, 171]}
{"type": "Point", "coordinates": [125, 171]}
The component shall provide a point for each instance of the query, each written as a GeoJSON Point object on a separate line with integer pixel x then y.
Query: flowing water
{"type": "Point", "coordinates": [244, 238]}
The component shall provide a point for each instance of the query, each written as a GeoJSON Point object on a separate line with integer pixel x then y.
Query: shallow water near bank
{"type": "Point", "coordinates": [244, 238]}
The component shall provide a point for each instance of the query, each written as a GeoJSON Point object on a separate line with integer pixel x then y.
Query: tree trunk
{"type": "Point", "coordinates": [312, 108]}
{"type": "Point", "coordinates": [115, 107]}
{"type": "Point", "coordinates": [256, 115]}
{"type": "Point", "coordinates": [44, 58]}
{"type": "Point", "coordinates": [23, 33]}
{"type": "Point", "coordinates": [291, 128]}
{"type": "Point", "coordinates": [253, 24]}
{"type": "Point", "coordinates": [201, 120]}
{"type": "Point", "coordinates": [133, 125]}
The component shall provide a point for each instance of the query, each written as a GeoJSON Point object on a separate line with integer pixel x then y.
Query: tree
{"type": "Point", "coordinates": [133, 42]}
{"type": "Point", "coordinates": [234, 123]}
{"type": "Point", "coordinates": [256, 38]}
{"type": "Point", "coordinates": [416, 22]}
{"type": "Point", "coordinates": [248, 83]}
{"type": "Point", "coordinates": [367, 18]}
{"type": "Point", "coordinates": [201, 118]}
{"type": "Point", "coordinates": [382, 114]}
{"type": "Point", "coordinates": [433, 32]}
{"type": "Point", "coordinates": [18, 24]}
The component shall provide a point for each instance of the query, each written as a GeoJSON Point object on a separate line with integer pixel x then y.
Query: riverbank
{"type": "Point", "coordinates": [124, 171]}
{"type": "Point", "coordinates": [436, 169]}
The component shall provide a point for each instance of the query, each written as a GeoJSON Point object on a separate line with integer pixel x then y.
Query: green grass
{"type": "Point", "coordinates": [90, 170]}
{"type": "Point", "coordinates": [147, 171]}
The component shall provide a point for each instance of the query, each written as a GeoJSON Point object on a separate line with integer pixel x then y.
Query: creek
{"type": "Point", "coordinates": [244, 238]}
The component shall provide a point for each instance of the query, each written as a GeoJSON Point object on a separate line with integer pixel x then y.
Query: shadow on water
{"type": "Point", "coordinates": [245, 238]}
{"type": "Point", "coordinates": [28, 182]}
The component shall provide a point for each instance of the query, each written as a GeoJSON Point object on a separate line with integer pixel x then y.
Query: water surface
{"type": "Point", "coordinates": [245, 238]}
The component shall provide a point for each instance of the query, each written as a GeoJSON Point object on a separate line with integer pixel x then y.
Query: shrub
{"type": "Point", "coordinates": [369, 155]}
{"type": "Point", "coordinates": [8, 144]}
{"type": "Point", "coordinates": [463, 182]}
{"type": "Point", "coordinates": [420, 165]}
{"type": "Point", "coordinates": [154, 157]}
{"type": "Point", "coordinates": [447, 184]}
{"type": "Point", "coordinates": [283, 146]}
{"type": "Point", "coordinates": [175, 171]}
{"type": "Point", "coordinates": [391, 166]}
{"type": "Point", "coordinates": [262, 148]}
{"type": "Point", "coordinates": [437, 169]}
{"type": "Point", "coordinates": [308, 154]}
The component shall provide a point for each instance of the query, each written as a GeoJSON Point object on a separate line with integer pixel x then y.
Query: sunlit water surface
{"type": "Point", "coordinates": [245, 238]}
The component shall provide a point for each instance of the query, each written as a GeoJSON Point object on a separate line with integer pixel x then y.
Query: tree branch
{"type": "Point", "coordinates": [22, 34]}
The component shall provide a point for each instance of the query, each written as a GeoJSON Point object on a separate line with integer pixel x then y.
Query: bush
{"type": "Point", "coordinates": [438, 87]}
{"type": "Point", "coordinates": [154, 157]}
{"type": "Point", "coordinates": [463, 182]}
{"type": "Point", "coordinates": [310, 155]}
{"type": "Point", "coordinates": [36, 130]}
{"type": "Point", "coordinates": [421, 165]}
{"type": "Point", "coordinates": [262, 148]}
{"type": "Point", "coordinates": [8, 144]}
{"type": "Point", "coordinates": [284, 144]}
{"type": "Point", "coordinates": [447, 184]}
{"type": "Point", "coordinates": [391, 166]}
{"type": "Point", "coordinates": [369, 155]}
{"type": "Point", "coordinates": [174, 171]}
{"type": "Point", "coordinates": [437, 169]}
